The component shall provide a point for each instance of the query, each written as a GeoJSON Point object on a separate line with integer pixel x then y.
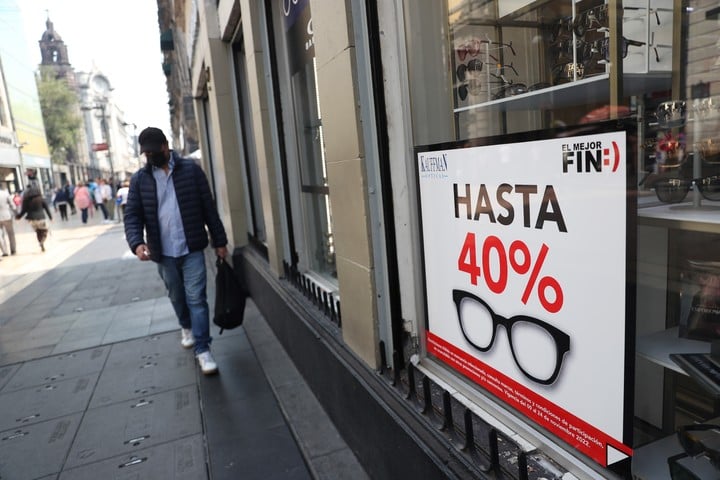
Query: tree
{"type": "Point", "coordinates": [59, 110]}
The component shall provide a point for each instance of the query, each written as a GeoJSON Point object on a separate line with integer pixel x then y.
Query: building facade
{"type": "Point", "coordinates": [401, 179]}
{"type": "Point", "coordinates": [23, 145]}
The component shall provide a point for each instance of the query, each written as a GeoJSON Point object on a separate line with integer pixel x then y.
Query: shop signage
{"type": "Point", "coordinates": [99, 147]}
{"type": "Point", "coordinates": [525, 250]}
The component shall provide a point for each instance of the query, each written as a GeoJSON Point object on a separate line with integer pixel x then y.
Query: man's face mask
{"type": "Point", "coordinates": [156, 159]}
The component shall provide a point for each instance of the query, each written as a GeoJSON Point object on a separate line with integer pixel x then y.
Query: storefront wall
{"type": "Point", "coordinates": [537, 160]}
{"type": "Point", "coordinates": [492, 87]}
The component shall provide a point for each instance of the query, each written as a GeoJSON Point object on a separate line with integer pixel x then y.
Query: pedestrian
{"type": "Point", "coordinates": [7, 210]}
{"type": "Point", "coordinates": [35, 207]}
{"type": "Point", "coordinates": [83, 201]}
{"type": "Point", "coordinates": [168, 208]}
{"type": "Point", "coordinates": [61, 202]}
{"type": "Point", "coordinates": [99, 197]}
{"type": "Point", "coordinates": [121, 201]}
{"type": "Point", "coordinates": [70, 193]}
{"type": "Point", "coordinates": [17, 199]}
{"type": "Point", "coordinates": [108, 200]}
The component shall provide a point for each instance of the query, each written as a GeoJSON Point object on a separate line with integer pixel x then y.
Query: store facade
{"type": "Point", "coordinates": [486, 232]}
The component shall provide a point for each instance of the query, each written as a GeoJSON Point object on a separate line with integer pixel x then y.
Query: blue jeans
{"type": "Point", "coordinates": [186, 280]}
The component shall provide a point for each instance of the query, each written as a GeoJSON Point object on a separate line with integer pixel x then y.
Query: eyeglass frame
{"type": "Point", "coordinates": [687, 183]}
{"type": "Point", "coordinates": [561, 339]}
{"type": "Point", "coordinates": [604, 47]}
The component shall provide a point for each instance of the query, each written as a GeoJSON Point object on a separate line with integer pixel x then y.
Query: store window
{"type": "Point", "coordinates": [256, 220]}
{"type": "Point", "coordinates": [524, 114]}
{"type": "Point", "coordinates": [312, 222]}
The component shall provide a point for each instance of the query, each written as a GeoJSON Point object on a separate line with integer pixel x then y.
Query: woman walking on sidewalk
{"type": "Point", "coordinates": [35, 207]}
{"type": "Point", "coordinates": [83, 201]}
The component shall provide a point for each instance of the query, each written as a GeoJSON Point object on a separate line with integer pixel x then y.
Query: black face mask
{"type": "Point", "coordinates": [156, 159]}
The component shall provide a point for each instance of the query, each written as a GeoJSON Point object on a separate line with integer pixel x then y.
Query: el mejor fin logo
{"type": "Point", "coordinates": [590, 157]}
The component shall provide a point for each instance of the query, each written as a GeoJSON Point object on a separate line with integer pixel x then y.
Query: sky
{"type": "Point", "coordinates": [121, 38]}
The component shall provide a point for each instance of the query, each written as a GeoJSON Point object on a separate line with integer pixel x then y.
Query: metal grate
{"type": "Point", "coordinates": [325, 301]}
{"type": "Point", "coordinates": [484, 447]}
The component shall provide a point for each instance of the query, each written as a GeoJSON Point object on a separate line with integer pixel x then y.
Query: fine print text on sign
{"type": "Point", "coordinates": [524, 248]}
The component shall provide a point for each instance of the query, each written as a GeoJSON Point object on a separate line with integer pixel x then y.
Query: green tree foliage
{"type": "Point", "coordinates": [59, 110]}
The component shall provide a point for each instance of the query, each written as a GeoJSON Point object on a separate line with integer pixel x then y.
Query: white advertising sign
{"type": "Point", "coordinates": [524, 249]}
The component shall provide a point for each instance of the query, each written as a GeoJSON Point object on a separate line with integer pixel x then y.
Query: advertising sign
{"type": "Point", "coordinates": [525, 250]}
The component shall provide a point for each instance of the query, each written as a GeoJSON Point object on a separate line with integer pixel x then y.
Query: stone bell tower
{"type": "Point", "coordinates": [54, 54]}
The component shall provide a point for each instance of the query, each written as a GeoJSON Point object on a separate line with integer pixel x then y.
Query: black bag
{"type": "Point", "coordinates": [230, 297]}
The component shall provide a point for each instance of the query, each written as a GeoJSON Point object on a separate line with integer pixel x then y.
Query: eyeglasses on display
{"type": "Point", "coordinates": [674, 190]}
{"type": "Point", "coordinates": [604, 46]}
{"type": "Point", "coordinates": [671, 114]}
{"type": "Point", "coordinates": [537, 347]}
{"type": "Point", "coordinates": [473, 65]}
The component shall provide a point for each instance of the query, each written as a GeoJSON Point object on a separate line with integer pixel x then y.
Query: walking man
{"type": "Point", "coordinates": [169, 205]}
{"type": "Point", "coordinates": [7, 211]}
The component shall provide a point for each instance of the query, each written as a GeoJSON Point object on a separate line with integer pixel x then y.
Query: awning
{"type": "Point", "coordinates": [9, 156]}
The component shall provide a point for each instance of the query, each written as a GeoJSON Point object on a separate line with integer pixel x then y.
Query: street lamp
{"type": "Point", "coordinates": [136, 155]}
{"type": "Point", "coordinates": [106, 145]}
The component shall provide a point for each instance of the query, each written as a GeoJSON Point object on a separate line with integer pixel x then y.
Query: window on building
{"type": "Point", "coordinates": [256, 220]}
{"type": "Point", "coordinates": [312, 222]}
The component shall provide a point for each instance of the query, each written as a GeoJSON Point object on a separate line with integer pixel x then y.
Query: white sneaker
{"type": "Point", "coordinates": [207, 363]}
{"type": "Point", "coordinates": [187, 339]}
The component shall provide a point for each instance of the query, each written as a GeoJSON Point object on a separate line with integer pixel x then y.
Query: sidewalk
{"type": "Point", "coordinates": [94, 383]}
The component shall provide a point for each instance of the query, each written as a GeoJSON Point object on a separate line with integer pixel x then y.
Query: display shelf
{"type": "Point", "coordinates": [585, 91]}
{"type": "Point", "coordinates": [683, 216]}
{"type": "Point", "coordinates": [658, 346]}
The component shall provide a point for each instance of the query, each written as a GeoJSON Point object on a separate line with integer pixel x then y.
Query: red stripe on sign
{"type": "Point", "coordinates": [576, 432]}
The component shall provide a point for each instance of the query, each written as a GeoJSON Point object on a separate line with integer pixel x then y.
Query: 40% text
{"type": "Point", "coordinates": [518, 258]}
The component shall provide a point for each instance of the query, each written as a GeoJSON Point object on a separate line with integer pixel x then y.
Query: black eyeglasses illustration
{"type": "Point", "coordinates": [674, 190]}
{"type": "Point", "coordinates": [537, 347]}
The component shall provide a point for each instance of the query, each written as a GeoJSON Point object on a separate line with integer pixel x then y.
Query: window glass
{"type": "Point", "coordinates": [490, 70]}
{"type": "Point", "coordinates": [256, 218]}
{"type": "Point", "coordinates": [318, 253]}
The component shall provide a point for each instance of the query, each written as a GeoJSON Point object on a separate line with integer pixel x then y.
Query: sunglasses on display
{"type": "Point", "coordinates": [473, 65]}
{"type": "Point", "coordinates": [537, 347]}
{"type": "Point", "coordinates": [604, 47]}
{"type": "Point", "coordinates": [471, 48]}
{"type": "Point", "coordinates": [674, 190]}
{"type": "Point", "coordinates": [671, 114]}
{"type": "Point", "coordinates": [591, 20]}
{"type": "Point", "coordinates": [641, 14]}
{"type": "Point", "coordinates": [472, 86]}
{"type": "Point", "coordinates": [510, 90]}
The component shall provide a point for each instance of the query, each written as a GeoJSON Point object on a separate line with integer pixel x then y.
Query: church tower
{"type": "Point", "coordinates": [54, 54]}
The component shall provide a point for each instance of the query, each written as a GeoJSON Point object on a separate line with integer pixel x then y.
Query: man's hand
{"type": "Point", "coordinates": [142, 252]}
{"type": "Point", "coordinates": [221, 252]}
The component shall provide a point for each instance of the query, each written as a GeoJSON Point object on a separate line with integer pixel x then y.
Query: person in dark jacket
{"type": "Point", "coordinates": [60, 202]}
{"type": "Point", "coordinates": [169, 206]}
{"type": "Point", "coordinates": [35, 207]}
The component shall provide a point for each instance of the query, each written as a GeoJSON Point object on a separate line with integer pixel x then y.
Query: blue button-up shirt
{"type": "Point", "coordinates": [172, 234]}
